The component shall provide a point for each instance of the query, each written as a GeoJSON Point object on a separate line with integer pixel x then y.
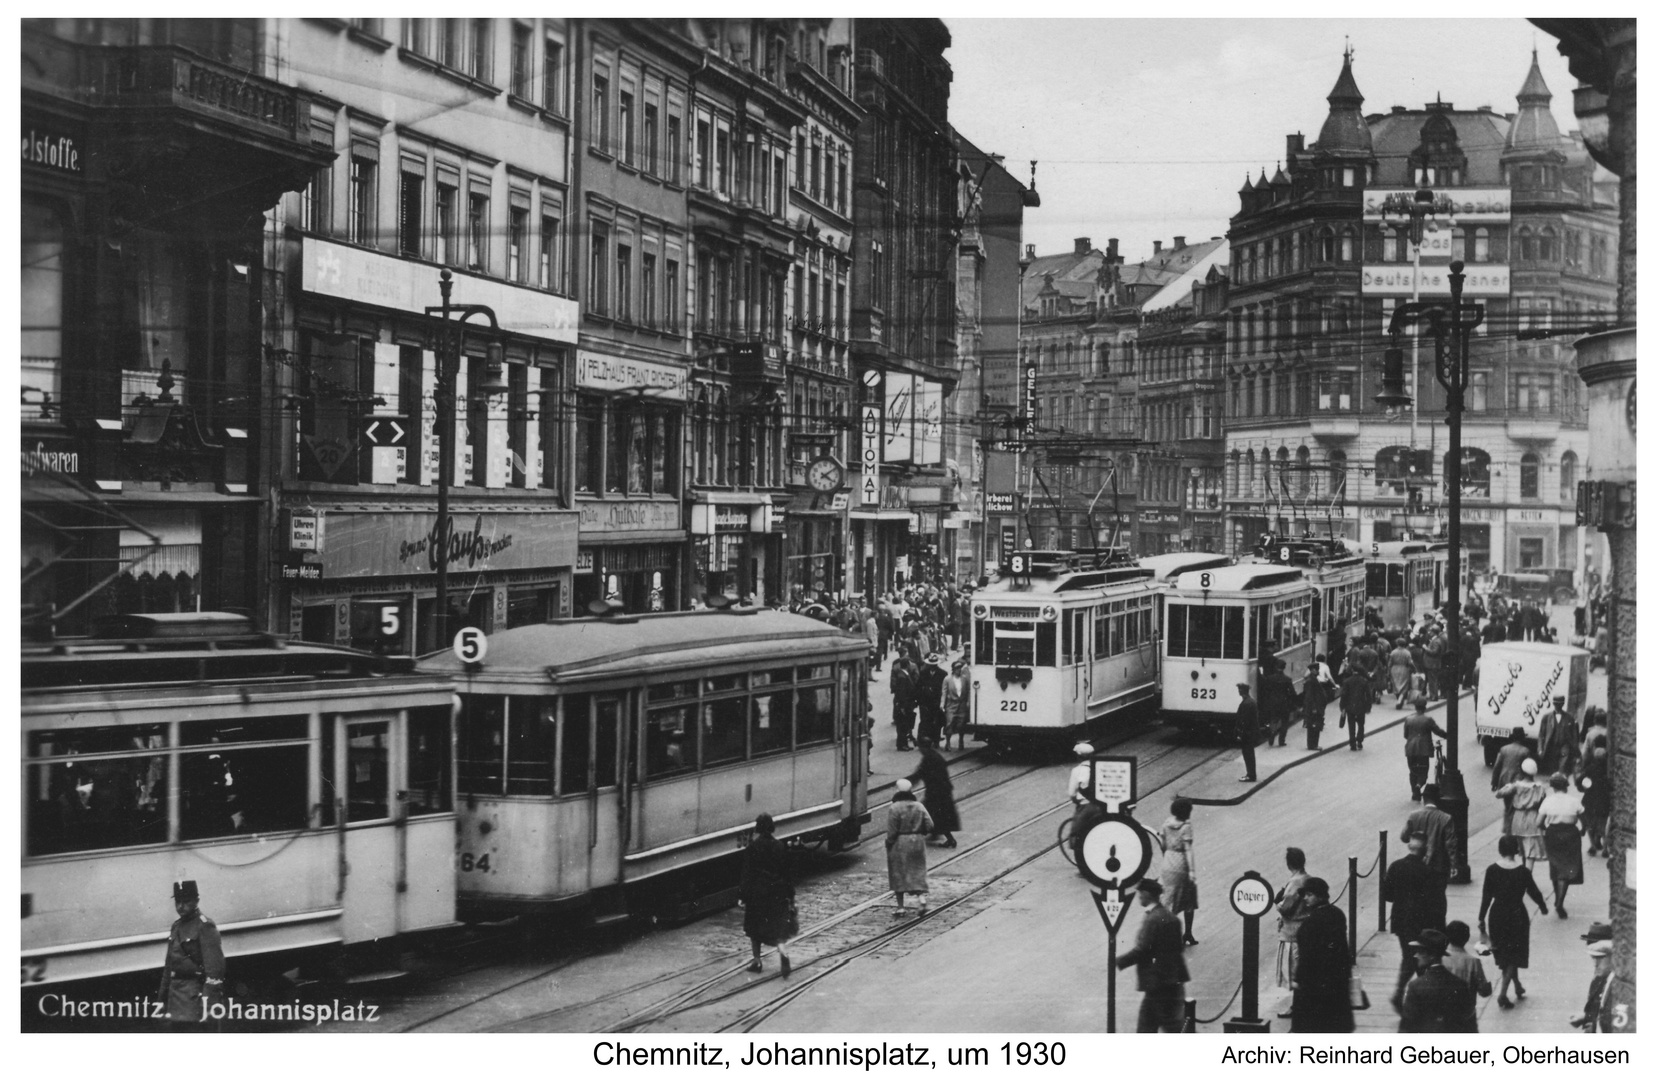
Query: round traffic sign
{"type": "Point", "coordinates": [1115, 852]}
{"type": "Point", "coordinates": [471, 645]}
{"type": "Point", "coordinates": [872, 377]}
{"type": "Point", "coordinates": [1251, 895]}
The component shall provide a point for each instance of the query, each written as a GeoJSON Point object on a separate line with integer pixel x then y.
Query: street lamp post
{"type": "Point", "coordinates": [1418, 209]}
{"type": "Point", "coordinates": [1450, 329]}
{"type": "Point", "coordinates": [450, 348]}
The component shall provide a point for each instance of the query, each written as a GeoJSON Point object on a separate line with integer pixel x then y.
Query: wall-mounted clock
{"type": "Point", "coordinates": [825, 474]}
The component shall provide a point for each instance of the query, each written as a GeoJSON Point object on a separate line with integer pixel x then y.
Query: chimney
{"type": "Point", "coordinates": [1111, 250]}
{"type": "Point", "coordinates": [1157, 247]}
{"type": "Point", "coordinates": [1030, 251]}
{"type": "Point", "coordinates": [1294, 144]}
{"type": "Point", "coordinates": [1179, 242]}
{"type": "Point", "coordinates": [1083, 245]}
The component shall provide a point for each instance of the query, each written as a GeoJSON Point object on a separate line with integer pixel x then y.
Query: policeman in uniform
{"type": "Point", "coordinates": [194, 974]}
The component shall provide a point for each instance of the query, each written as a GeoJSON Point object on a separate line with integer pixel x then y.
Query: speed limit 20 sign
{"type": "Point", "coordinates": [471, 645]}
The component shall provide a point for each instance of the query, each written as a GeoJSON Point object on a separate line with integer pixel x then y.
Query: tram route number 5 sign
{"type": "Point", "coordinates": [471, 645]}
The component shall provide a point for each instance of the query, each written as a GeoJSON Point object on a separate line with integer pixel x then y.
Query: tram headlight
{"type": "Point", "coordinates": [1049, 613]}
{"type": "Point", "coordinates": [980, 611]}
{"type": "Point", "coordinates": [1194, 674]}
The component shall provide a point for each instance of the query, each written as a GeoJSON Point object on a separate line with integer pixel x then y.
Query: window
{"type": "Point", "coordinates": [1482, 245]}
{"type": "Point", "coordinates": [1528, 475]}
{"type": "Point", "coordinates": [479, 748]}
{"type": "Point", "coordinates": [675, 146]}
{"type": "Point", "coordinates": [451, 42]}
{"type": "Point", "coordinates": [1327, 244]}
{"type": "Point", "coordinates": [624, 281]}
{"type": "Point", "coordinates": [599, 122]}
{"type": "Point", "coordinates": [704, 152]}
{"type": "Point", "coordinates": [362, 200]}
{"type": "Point", "coordinates": [430, 751]}
{"type": "Point", "coordinates": [589, 441]}
{"type": "Point", "coordinates": [1347, 237]}
{"type": "Point", "coordinates": [1534, 391]}
{"type": "Point", "coordinates": [624, 123]}
{"type": "Point", "coordinates": [773, 715]}
{"type": "Point", "coordinates": [670, 740]}
{"type": "Point", "coordinates": [575, 759]}
{"type": "Point", "coordinates": [448, 202]}
{"type": "Point", "coordinates": [1476, 472]}
{"type": "Point", "coordinates": [651, 150]}
{"type": "Point", "coordinates": [368, 771]}
{"type": "Point", "coordinates": [647, 289]}
{"type": "Point", "coordinates": [724, 730]}
{"type": "Point", "coordinates": [1335, 390]}
{"type": "Point", "coordinates": [409, 200]}
{"type": "Point", "coordinates": [1475, 397]}
{"type": "Point", "coordinates": [670, 296]}
{"type": "Point", "coordinates": [1531, 552]}
{"type": "Point", "coordinates": [549, 413]}
{"type": "Point", "coordinates": [478, 60]}
{"type": "Point", "coordinates": [518, 227]}
{"type": "Point", "coordinates": [552, 75]}
{"type": "Point", "coordinates": [115, 800]}
{"type": "Point", "coordinates": [552, 252]}
{"type": "Point", "coordinates": [520, 60]}
{"type": "Point", "coordinates": [415, 38]}
{"type": "Point", "coordinates": [42, 292]}
{"type": "Point", "coordinates": [1568, 476]}
{"type": "Point", "coordinates": [1390, 245]}
{"type": "Point", "coordinates": [225, 790]}
{"type": "Point", "coordinates": [1459, 244]}
{"type": "Point", "coordinates": [477, 231]}
{"type": "Point", "coordinates": [597, 262]}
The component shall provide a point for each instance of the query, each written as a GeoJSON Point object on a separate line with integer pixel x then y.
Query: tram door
{"type": "Point", "coordinates": [605, 805]}
{"type": "Point", "coordinates": [372, 863]}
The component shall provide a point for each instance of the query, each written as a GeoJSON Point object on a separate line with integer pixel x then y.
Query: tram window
{"type": "Point", "coordinates": [1232, 639]}
{"type": "Point", "coordinates": [724, 730]}
{"type": "Point", "coordinates": [815, 671]}
{"type": "Point", "coordinates": [1102, 633]}
{"type": "Point", "coordinates": [98, 740]}
{"type": "Point", "coordinates": [815, 715]}
{"type": "Point", "coordinates": [368, 771]}
{"type": "Point", "coordinates": [778, 676]}
{"type": "Point", "coordinates": [482, 731]}
{"type": "Point", "coordinates": [1375, 579]}
{"type": "Point", "coordinates": [670, 744]}
{"type": "Point", "coordinates": [575, 743]}
{"type": "Point", "coordinates": [607, 741]}
{"type": "Point", "coordinates": [1395, 580]}
{"type": "Point", "coordinates": [252, 729]}
{"type": "Point", "coordinates": [668, 691]}
{"type": "Point", "coordinates": [1045, 635]}
{"type": "Point", "coordinates": [232, 792]}
{"type": "Point", "coordinates": [1175, 633]}
{"type": "Point", "coordinates": [1204, 634]}
{"type": "Point", "coordinates": [984, 641]}
{"type": "Point", "coordinates": [773, 721]}
{"type": "Point", "coordinates": [1014, 651]}
{"type": "Point", "coordinates": [101, 803]}
{"type": "Point", "coordinates": [430, 754]}
{"type": "Point", "coordinates": [716, 683]}
{"type": "Point", "coordinates": [530, 744]}
{"type": "Point", "coordinates": [1119, 639]}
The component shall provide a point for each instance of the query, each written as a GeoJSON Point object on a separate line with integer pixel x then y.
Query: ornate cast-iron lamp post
{"type": "Point", "coordinates": [1450, 326]}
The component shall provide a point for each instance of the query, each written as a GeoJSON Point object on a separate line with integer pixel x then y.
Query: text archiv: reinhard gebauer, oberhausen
{"type": "Point", "coordinates": [1410, 1054]}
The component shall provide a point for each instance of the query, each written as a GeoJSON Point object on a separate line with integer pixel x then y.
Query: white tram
{"type": "Point", "coordinates": [1338, 576]}
{"type": "Point", "coordinates": [1405, 579]}
{"type": "Point", "coordinates": [1220, 625]}
{"type": "Point", "coordinates": [616, 765]}
{"type": "Point", "coordinates": [309, 793]}
{"type": "Point", "coordinates": [1061, 643]}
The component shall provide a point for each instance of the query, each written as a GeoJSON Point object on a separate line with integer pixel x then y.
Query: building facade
{"type": "Point", "coordinates": [152, 150]}
{"type": "Point", "coordinates": [1317, 272]}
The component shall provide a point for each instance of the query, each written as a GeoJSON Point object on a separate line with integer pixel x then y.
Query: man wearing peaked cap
{"type": "Point", "coordinates": [193, 976]}
{"type": "Point", "coordinates": [1435, 1001]}
{"type": "Point", "coordinates": [1600, 950]}
{"type": "Point", "coordinates": [1158, 960]}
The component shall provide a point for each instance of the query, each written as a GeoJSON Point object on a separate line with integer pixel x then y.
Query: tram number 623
{"type": "Point", "coordinates": [1203, 693]}
{"type": "Point", "coordinates": [469, 864]}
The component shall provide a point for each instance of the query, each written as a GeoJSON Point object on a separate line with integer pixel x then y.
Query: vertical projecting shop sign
{"type": "Point", "coordinates": [1030, 398]}
{"type": "Point", "coordinates": [870, 484]}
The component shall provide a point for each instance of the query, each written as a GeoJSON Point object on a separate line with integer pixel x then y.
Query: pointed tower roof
{"type": "Point", "coordinates": [1248, 186]}
{"type": "Point", "coordinates": [1261, 184]}
{"type": "Point", "coordinates": [1534, 127]}
{"type": "Point", "coordinates": [1345, 132]}
{"type": "Point", "coordinates": [1278, 177]}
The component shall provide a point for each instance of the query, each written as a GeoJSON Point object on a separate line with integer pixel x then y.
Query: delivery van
{"type": "Point", "coordinates": [1517, 684]}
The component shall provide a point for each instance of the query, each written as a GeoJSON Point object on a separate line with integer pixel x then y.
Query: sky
{"type": "Point", "coordinates": [1144, 129]}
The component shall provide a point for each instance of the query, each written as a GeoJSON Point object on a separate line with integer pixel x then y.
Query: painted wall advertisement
{"type": "Point", "coordinates": [386, 543]}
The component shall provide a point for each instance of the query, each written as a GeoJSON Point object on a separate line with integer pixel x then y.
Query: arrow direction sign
{"type": "Point", "coordinates": [386, 430]}
{"type": "Point", "coordinates": [1113, 907]}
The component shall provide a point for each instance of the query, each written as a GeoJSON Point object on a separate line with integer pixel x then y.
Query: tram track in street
{"type": "Point", "coordinates": [713, 989]}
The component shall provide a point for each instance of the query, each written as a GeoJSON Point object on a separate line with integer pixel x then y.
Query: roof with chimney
{"type": "Point", "coordinates": [1178, 290]}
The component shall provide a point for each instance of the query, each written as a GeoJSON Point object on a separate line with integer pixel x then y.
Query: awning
{"type": "Point", "coordinates": [69, 494]}
{"type": "Point", "coordinates": [879, 515]}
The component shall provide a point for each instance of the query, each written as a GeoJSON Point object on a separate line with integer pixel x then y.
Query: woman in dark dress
{"type": "Point", "coordinates": [767, 893]}
{"type": "Point", "coordinates": [1503, 917]}
{"type": "Point", "coordinates": [939, 794]}
{"type": "Point", "coordinates": [1322, 1000]}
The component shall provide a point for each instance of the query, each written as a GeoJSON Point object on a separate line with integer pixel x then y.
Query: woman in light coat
{"type": "Point", "coordinates": [908, 826]}
{"type": "Point", "coordinates": [1525, 795]}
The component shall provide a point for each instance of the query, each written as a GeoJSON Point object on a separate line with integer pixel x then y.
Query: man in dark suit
{"type": "Point", "coordinates": [1437, 830]}
{"type": "Point", "coordinates": [1557, 740]}
{"type": "Point", "coordinates": [1506, 770]}
{"type": "Point", "coordinates": [1277, 699]}
{"type": "Point", "coordinates": [1435, 1001]}
{"type": "Point", "coordinates": [1418, 899]}
{"type": "Point", "coordinates": [1356, 700]}
{"type": "Point", "coordinates": [1158, 957]}
{"type": "Point", "coordinates": [1420, 729]}
{"type": "Point", "coordinates": [1322, 999]}
{"type": "Point", "coordinates": [1248, 729]}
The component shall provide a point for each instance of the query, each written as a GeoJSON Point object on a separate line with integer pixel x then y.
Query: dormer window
{"type": "Point", "coordinates": [1348, 176]}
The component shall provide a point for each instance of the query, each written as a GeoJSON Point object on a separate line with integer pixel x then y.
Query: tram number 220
{"type": "Point", "coordinates": [1203, 693]}
{"type": "Point", "coordinates": [1015, 706]}
{"type": "Point", "coordinates": [469, 864]}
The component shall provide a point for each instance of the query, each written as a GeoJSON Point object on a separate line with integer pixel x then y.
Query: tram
{"type": "Point", "coordinates": [308, 789]}
{"type": "Point", "coordinates": [1405, 579]}
{"type": "Point", "coordinates": [1221, 624]}
{"type": "Point", "coordinates": [1337, 575]}
{"type": "Point", "coordinates": [1061, 643]}
{"type": "Point", "coordinates": [614, 766]}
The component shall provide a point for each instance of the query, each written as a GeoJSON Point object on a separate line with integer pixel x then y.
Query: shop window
{"type": "Point", "coordinates": [480, 763]}
{"type": "Point", "coordinates": [531, 607]}
{"type": "Point", "coordinates": [589, 442]}
{"type": "Point", "coordinates": [431, 754]}
{"type": "Point", "coordinates": [670, 742]}
{"type": "Point", "coordinates": [1531, 552]}
{"type": "Point", "coordinates": [77, 803]}
{"type": "Point", "coordinates": [531, 733]}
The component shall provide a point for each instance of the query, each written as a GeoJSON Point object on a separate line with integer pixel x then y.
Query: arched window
{"type": "Point", "coordinates": [1235, 476]}
{"type": "Point", "coordinates": [1528, 475]}
{"type": "Point", "coordinates": [1249, 396]}
{"type": "Point", "coordinates": [1482, 245]}
{"type": "Point", "coordinates": [1338, 475]}
{"type": "Point", "coordinates": [1252, 264]}
{"type": "Point", "coordinates": [1327, 244]}
{"type": "Point", "coordinates": [1249, 475]}
{"type": "Point", "coordinates": [1548, 246]}
{"type": "Point", "coordinates": [1266, 393]}
{"type": "Point", "coordinates": [1346, 245]}
{"type": "Point", "coordinates": [1568, 476]}
{"type": "Point", "coordinates": [1303, 476]}
{"type": "Point", "coordinates": [1528, 244]}
{"type": "Point", "coordinates": [1394, 466]}
{"type": "Point", "coordinates": [1390, 245]}
{"type": "Point", "coordinates": [1476, 472]}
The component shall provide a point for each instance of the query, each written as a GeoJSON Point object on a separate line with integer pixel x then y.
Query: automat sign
{"type": "Point", "coordinates": [870, 482]}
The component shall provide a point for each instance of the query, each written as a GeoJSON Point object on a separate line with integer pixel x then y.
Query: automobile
{"type": "Point", "coordinates": [1540, 583]}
